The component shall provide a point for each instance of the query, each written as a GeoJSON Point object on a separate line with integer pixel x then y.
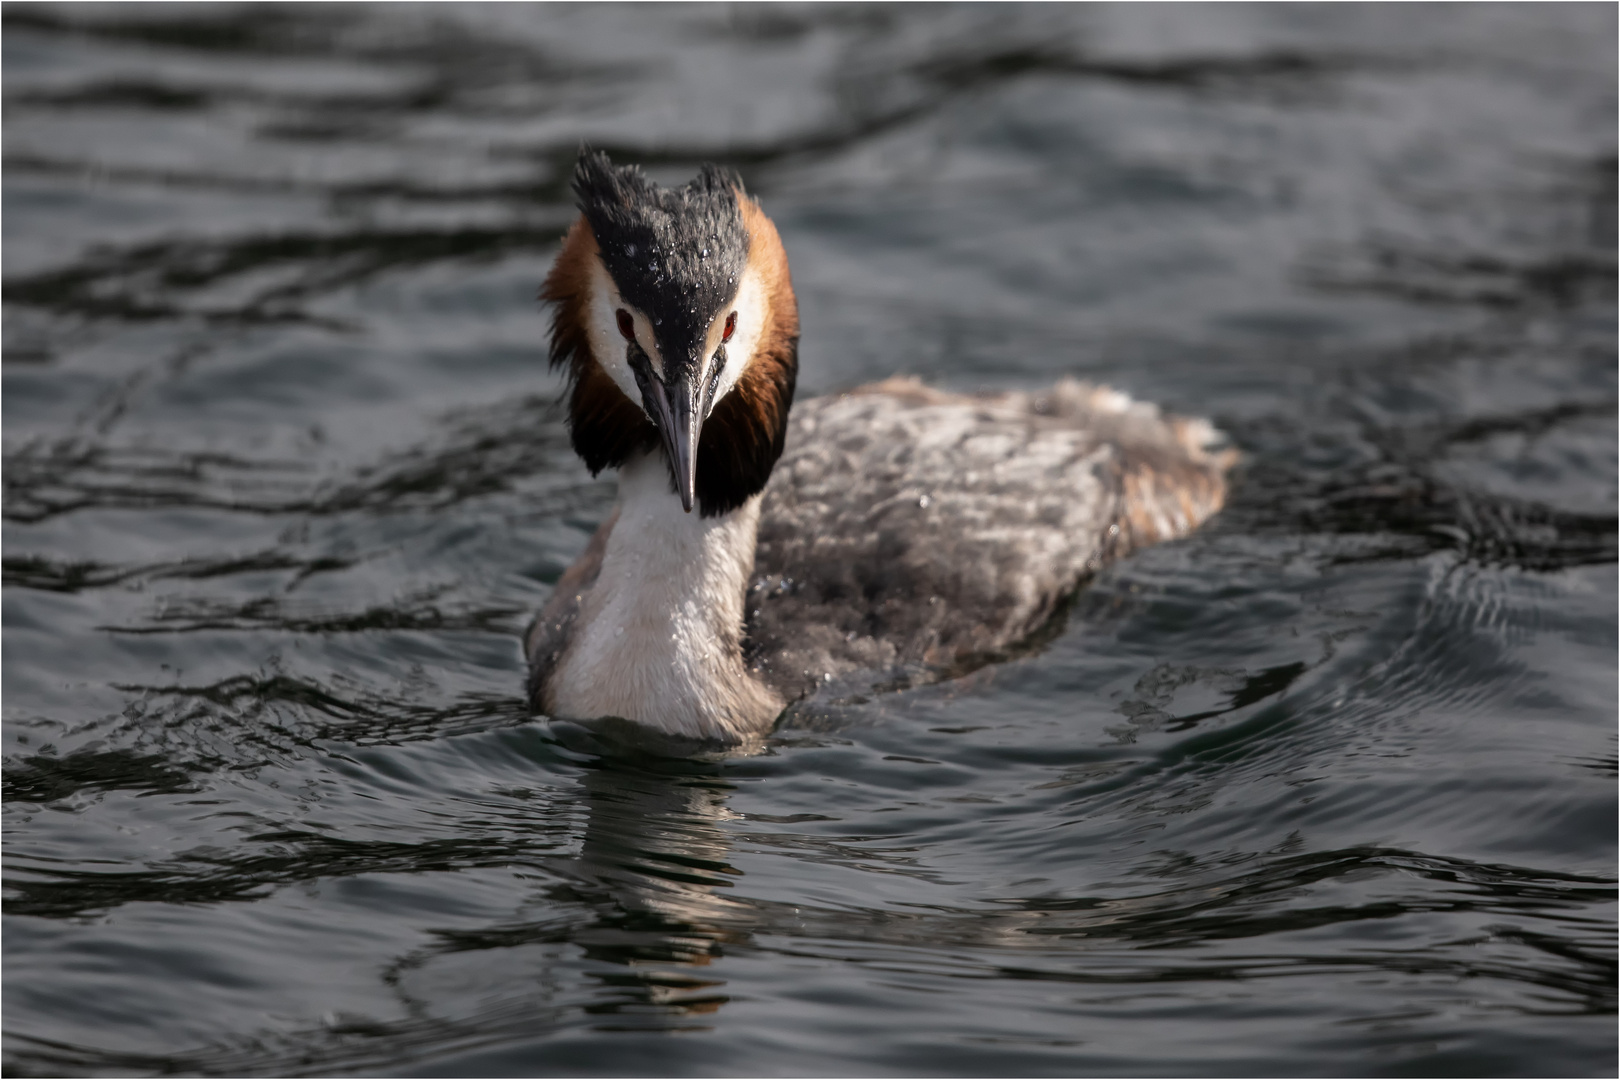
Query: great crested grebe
{"type": "Point", "coordinates": [751, 558]}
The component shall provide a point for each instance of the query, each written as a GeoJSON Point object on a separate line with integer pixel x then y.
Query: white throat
{"type": "Point", "coordinates": [658, 638]}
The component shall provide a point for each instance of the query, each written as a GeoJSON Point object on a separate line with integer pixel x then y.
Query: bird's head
{"type": "Point", "coordinates": [676, 321]}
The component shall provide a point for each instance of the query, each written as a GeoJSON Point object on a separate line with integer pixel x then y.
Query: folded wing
{"type": "Point", "coordinates": [908, 527]}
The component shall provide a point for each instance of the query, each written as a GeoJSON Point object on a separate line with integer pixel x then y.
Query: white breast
{"type": "Point", "coordinates": [657, 637]}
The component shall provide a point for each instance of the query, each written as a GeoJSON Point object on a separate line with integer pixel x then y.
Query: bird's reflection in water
{"type": "Point", "coordinates": [653, 857]}
{"type": "Point", "coordinates": [627, 930]}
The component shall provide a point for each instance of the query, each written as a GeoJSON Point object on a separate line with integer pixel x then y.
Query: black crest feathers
{"type": "Point", "coordinates": [678, 255]}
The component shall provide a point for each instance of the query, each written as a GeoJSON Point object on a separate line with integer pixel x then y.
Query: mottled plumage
{"type": "Point", "coordinates": [890, 527]}
{"type": "Point", "coordinates": [909, 527]}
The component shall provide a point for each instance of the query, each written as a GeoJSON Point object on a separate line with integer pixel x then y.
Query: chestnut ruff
{"type": "Point", "coordinates": [745, 434]}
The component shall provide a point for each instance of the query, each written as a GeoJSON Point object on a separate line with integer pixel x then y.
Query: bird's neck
{"type": "Point", "coordinates": [659, 636]}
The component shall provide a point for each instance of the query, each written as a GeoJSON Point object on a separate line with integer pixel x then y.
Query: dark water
{"type": "Point", "coordinates": [1328, 788]}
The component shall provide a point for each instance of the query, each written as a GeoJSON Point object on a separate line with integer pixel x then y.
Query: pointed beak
{"type": "Point", "coordinates": [678, 415]}
{"type": "Point", "coordinates": [681, 439]}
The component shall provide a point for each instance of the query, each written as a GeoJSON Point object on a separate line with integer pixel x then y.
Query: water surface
{"type": "Point", "coordinates": [1327, 788]}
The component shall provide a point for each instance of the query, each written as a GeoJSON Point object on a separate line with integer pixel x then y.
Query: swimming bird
{"type": "Point", "coordinates": [759, 550]}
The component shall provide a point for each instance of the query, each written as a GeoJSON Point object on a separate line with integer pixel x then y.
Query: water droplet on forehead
{"type": "Point", "coordinates": [704, 254]}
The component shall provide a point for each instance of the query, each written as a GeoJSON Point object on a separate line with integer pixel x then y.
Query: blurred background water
{"type": "Point", "coordinates": [1328, 788]}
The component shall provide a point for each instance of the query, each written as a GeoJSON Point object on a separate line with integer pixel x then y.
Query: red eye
{"type": "Point", "coordinates": [731, 327]}
{"type": "Point", "coordinates": [627, 325]}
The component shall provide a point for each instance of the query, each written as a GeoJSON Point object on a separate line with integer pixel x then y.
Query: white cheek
{"type": "Point", "coordinates": [602, 326]}
{"type": "Point", "coordinates": [750, 308]}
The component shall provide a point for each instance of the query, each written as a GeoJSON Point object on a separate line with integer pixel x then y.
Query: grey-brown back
{"type": "Point", "coordinates": [905, 527]}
